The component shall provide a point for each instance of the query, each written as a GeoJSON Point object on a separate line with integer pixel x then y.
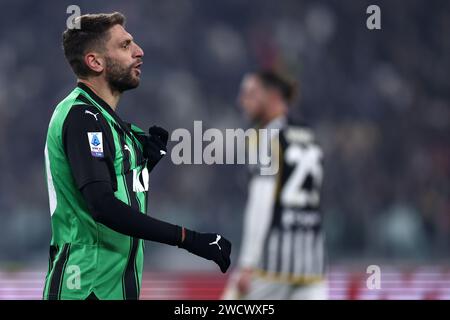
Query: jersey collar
{"type": "Point", "coordinates": [97, 99]}
{"type": "Point", "coordinates": [105, 106]}
{"type": "Point", "coordinates": [277, 123]}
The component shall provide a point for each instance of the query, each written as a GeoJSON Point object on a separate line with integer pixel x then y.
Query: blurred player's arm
{"type": "Point", "coordinates": [257, 219]}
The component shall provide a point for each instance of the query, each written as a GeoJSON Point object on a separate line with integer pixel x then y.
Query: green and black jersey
{"type": "Point", "coordinates": [85, 256]}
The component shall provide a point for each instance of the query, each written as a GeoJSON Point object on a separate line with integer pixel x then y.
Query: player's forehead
{"type": "Point", "coordinates": [250, 82]}
{"type": "Point", "coordinates": [119, 34]}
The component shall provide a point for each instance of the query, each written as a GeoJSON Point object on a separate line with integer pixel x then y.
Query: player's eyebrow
{"type": "Point", "coordinates": [126, 41]}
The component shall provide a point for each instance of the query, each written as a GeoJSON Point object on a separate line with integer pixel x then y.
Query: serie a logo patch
{"type": "Point", "coordinates": [96, 144]}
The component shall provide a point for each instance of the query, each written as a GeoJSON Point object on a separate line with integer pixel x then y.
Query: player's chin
{"type": "Point", "coordinates": [136, 80]}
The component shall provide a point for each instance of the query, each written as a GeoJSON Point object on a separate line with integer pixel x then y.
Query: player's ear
{"type": "Point", "coordinates": [94, 62]}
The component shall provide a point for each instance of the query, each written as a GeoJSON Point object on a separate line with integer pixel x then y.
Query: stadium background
{"type": "Point", "coordinates": [379, 101]}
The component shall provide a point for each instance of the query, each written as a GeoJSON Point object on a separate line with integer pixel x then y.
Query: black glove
{"type": "Point", "coordinates": [155, 146]}
{"type": "Point", "coordinates": [211, 246]}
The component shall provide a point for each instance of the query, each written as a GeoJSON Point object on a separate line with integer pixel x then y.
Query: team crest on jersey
{"type": "Point", "coordinates": [96, 144]}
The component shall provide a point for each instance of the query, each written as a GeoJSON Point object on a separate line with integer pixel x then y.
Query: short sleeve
{"type": "Point", "coordinates": [89, 146]}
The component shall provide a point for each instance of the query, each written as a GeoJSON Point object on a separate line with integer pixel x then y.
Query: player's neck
{"type": "Point", "coordinates": [102, 89]}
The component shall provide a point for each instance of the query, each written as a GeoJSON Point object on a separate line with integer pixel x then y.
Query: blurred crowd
{"type": "Point", "coordinates": [379, 101]}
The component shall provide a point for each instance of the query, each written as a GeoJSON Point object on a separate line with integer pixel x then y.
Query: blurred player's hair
{"type": "Point", "coordinates": [92, 35]}
{"type": "Point", "coordinates": [272, 79]}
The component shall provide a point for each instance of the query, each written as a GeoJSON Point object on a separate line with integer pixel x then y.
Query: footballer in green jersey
{"type": "Point", "coordinates": [97, 168]}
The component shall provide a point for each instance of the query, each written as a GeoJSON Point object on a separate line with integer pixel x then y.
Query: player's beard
{"type": "Point", "coordinates": [120, 78]}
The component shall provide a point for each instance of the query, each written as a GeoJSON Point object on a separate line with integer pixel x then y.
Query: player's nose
{"type": "Point", "coordinates": [139, 53]}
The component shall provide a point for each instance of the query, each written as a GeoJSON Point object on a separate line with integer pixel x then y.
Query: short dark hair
{"type": "Point", "coordinates": [92, 34]}
{"type": "Point", "coordinates": [278, 81]}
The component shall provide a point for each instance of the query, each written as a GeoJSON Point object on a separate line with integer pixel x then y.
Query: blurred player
{"type": "Point", "coordinates": [97, 169]}
{"type": "Point", "coordinates": [282, 253]}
